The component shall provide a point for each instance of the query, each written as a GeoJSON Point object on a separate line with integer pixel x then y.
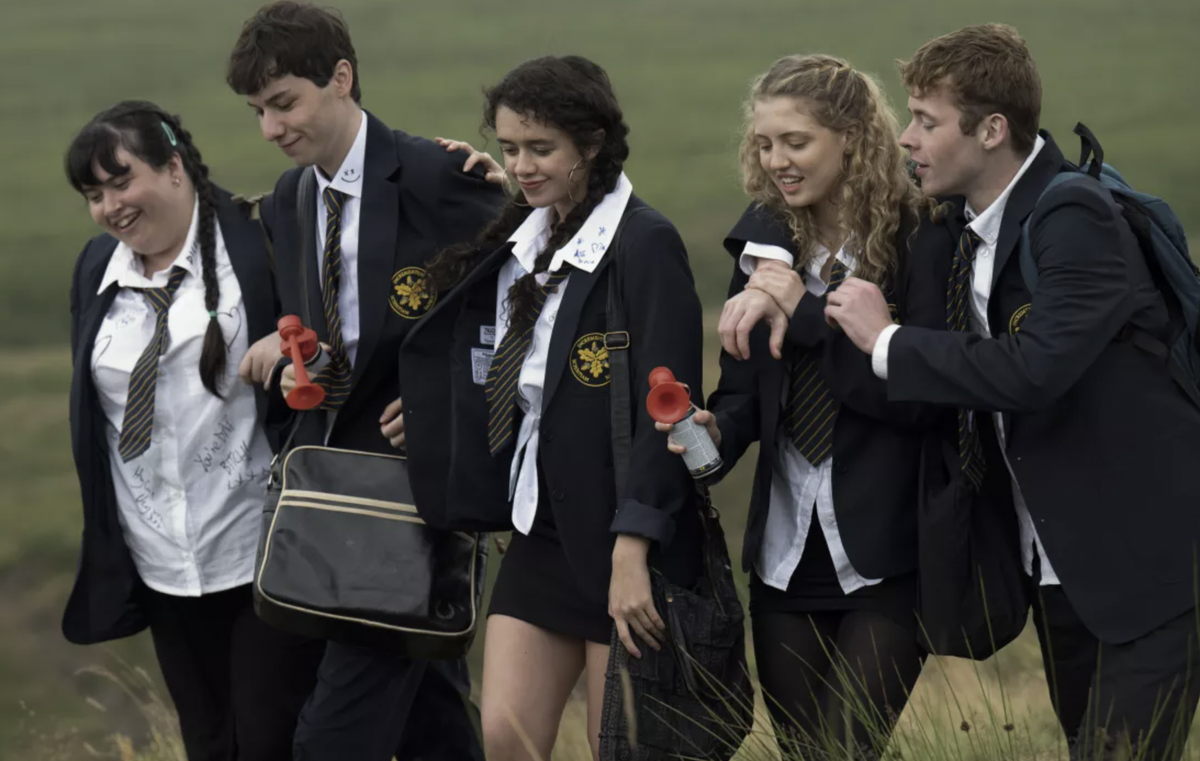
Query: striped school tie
{"type": "Point", "coordinates": [335, 376]}
{"type": "Point", "coordinates": [970, 448]}
{"type": "Point", "coordinates": [811, 410]}
{"type": "Point", "coordinates": [138, 421]}
{"type": "Point", "coordinates": [505, 370]}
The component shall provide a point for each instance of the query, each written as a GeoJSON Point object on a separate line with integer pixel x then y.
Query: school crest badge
{"type": "Point", "coordinates": [412, 295]}
{"type": "Point", "coordinates": [589, 361]}
{"type": "Point", "coordinates": [1018, 319]}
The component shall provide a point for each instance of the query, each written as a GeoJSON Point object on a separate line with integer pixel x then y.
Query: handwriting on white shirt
{"type": "Point", "coordinates": [208, 455]}
{"type": "Point", "coordinates": [251, 476]}
{"type": "Point", "coordinates": [143, 492]}
{"type": "Point", "coordinates": [238, 456]}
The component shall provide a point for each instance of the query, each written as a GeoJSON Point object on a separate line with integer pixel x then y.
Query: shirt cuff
{"type": "Point", "coordinates": [755, 251]}
{"type": "Point", "coordinates": [879, 357]}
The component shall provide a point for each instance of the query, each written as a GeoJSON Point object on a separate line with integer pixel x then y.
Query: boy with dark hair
{"type": "Point", "coordinates": [1096, 435]}
{"type": "Point", "coordinates": [386, 202]}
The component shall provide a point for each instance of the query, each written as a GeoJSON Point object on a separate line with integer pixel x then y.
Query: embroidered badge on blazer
{"type": "Point", "coordinates": [411, 296]}
{"type": "Point", "coordinates": [1018, 319]}
{"type": "Point", "coordinates": [589, 361]}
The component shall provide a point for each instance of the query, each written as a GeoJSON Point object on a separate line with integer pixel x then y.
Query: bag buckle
{"type": "Point", "coordinates": [273, 472]}
{"type": "Point", "coordinates": [616, 341]}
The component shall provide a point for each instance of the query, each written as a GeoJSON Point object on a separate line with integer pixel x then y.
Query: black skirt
{"type": "Point", "coordinates": [814, 588]}
{"type": "Point", "coordinates": [537, 585]}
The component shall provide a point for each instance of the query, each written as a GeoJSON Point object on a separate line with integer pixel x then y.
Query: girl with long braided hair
{"type": "Point", "coordinates": [527, 383]}
{"type": "Point", "coordinates": [166, 304]}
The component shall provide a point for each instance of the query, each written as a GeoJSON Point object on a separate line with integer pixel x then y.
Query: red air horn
{"type": "Point", "coordinates": [300, 343]}
{"type": "Point", "coordinates": [669, 401]}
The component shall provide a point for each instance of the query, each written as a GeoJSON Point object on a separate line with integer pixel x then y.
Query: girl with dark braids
{"type": "Point", "coordinates": [171, 456]}
{"type": "Point", "coordinates": [527, 381]}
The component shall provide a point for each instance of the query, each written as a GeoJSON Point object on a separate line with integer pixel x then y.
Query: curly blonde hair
{"type": "Point", "coordinates": [875, 187]}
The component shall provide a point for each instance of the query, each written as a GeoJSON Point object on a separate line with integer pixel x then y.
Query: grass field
{"type": "Point", "coordinates": [680, 67]}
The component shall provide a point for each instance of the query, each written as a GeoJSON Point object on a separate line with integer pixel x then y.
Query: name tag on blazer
{"type": "Point", "coordinates": [481, 358]}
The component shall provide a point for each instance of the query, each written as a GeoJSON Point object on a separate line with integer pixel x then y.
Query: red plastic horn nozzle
{"type": "Point", "coordinates": [300, 343]}
{"type": "Point", "coordinates": [669, 400]}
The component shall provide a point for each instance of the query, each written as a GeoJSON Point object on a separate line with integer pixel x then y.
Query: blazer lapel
{"type": "Point", "coordinates": [489, 266]}
{"type": "Point", "coordinates": [82, 385]}
{"type": "Point", "coordinates": [772, 385]}
{"type": "Point", "coordinates": [570, 311]}
{"type": "Point", "coordinates": [1022, 200]}
{"type": "Point", "coordinates": [376, 238]}
{"type": "Point", "coordinates": [244, 243]}
{"type": "Point", "coordinates": [97, 306]}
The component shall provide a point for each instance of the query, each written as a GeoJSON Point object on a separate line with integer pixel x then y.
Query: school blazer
{"type": "Point", "coordinates": [876, 443]}
{"type": "Point", "coordinates": [446, 412]}
{"type": "Point", "coordinates": [416, 200]}
{"type": "Point", "coordinates": [104, 603]}
{"type": "Point", "coordinates": [1101, 440]}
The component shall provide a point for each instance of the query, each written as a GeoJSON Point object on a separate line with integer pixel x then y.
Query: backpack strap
{"type": "Point", "coordinates": [1140, 223]}
{"type": "Point", "coordinates": [617, 341]}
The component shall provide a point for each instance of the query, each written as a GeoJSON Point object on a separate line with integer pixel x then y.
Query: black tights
{"type": "Point", "coordinates": [832, 676]}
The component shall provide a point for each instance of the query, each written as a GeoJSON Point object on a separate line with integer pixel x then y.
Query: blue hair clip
{"type": "Point", "coordinates": [170, 134]}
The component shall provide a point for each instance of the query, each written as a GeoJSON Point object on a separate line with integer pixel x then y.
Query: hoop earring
{"type": "Point", "coordinates": [571, 183]}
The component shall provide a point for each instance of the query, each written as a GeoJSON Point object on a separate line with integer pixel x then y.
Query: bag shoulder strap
{"type": "Point", "coordinates": [617, 342]}
{"type": "Point", "coordinates": [306, 215]}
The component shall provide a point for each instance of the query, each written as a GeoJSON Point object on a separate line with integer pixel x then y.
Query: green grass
{"type": "Point", "coordinates": [681, 68]}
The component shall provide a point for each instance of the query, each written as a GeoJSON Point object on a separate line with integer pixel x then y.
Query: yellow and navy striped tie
{"type": "Point", "coordinates": [334, 377]}
{"type": "Point", "coordinates": [505, 370]}
{"type": "Point", "coordinates": [143, 381]}
{"type": "Point", "coordinates": [811, 410]}
{"type": "Point", "coordinates": [970, 448]}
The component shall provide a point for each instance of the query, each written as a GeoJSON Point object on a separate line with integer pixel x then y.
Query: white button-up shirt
{"type": "Point", "coordinates": [349, 180]}
{"type": "Point", "coordinates": [798, 489]}
{"type": "Point", "coordinates": [190, 505]}
{"type": "Point", "coordinates": [986, 225]}
{"type": "Point", "coordinates": [583, 252]}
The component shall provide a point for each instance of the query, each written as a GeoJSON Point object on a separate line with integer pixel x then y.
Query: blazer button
{"type": "Point", "coordinates": [559, 496]}
{"type": "Point", "coordinates": [547, 435]}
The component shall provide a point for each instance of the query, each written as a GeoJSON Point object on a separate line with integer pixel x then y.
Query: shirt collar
{"type": "Point", "coordinates": [349, 178]}
{"type": "Point", "coordinates": [126, 270]}
{"type": "Point", "coordinates": [817, 263]}
{"type": "Point", "coordinates": [987, 224]}
{"type": "Point", "coordinates": [587, 248]}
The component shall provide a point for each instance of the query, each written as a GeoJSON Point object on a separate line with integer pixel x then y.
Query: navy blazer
{"type": "Point", "coordinates": [876, 443]}
{"type": "Point", "coordinates": [1101, 439]}
{"type": "Point", "coordinates": [446, 412]}
{"type": "Point", "coordinates": [416, 200]}
{"type": "Point", "coordinates": [104, 603]}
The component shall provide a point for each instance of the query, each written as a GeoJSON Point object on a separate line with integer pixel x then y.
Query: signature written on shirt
{"type": "Point", "coordinates": [143, 492]}
{"type": "Point", "coordinates": [207, 458]}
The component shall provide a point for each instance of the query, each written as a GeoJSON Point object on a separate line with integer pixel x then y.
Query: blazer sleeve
{"type": "Point", "coordinates": [464, 202]}
{"type": "Point", "coordinates": [665, 325]}
{"type": "Point", "coordinates": [1081, 245]}
{"type": "Point", "coordinates": [735, 402]}
{"type": "Point", "coordinates": [922, 272]}
{"type": "Point", "coordinates": [922, 269]}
